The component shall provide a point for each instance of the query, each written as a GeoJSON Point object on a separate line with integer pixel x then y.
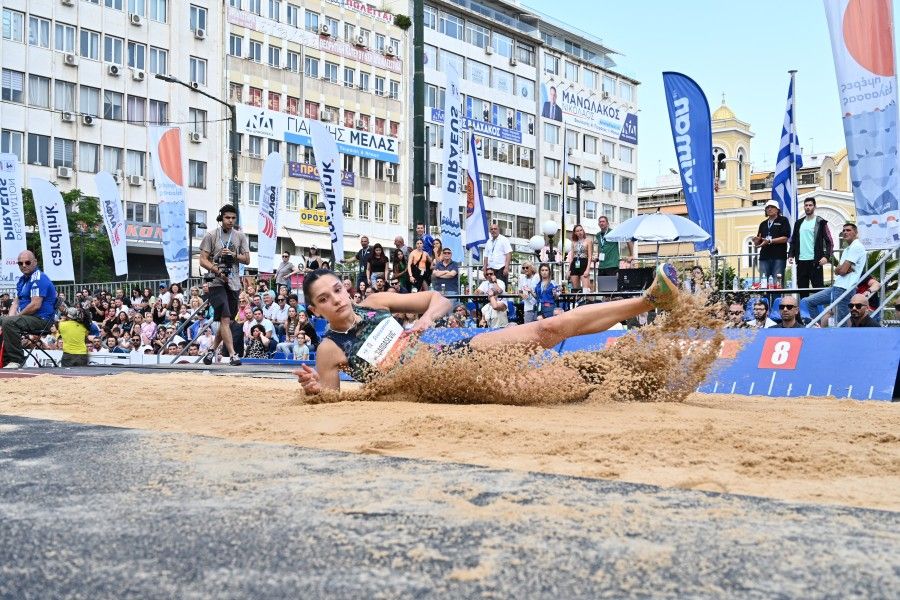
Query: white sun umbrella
{"type": "Point", "coordinates": [658, 227]}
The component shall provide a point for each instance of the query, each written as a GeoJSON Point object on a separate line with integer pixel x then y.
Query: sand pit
{"type": "Point", "coordinates": [806, 449]}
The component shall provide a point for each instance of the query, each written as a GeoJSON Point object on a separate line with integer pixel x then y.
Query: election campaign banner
{"type": "Point", "coordinates": [567, 100]}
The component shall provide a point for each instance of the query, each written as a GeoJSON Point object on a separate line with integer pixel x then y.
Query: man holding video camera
{"type": "Point", "coordinates": [220, 252]}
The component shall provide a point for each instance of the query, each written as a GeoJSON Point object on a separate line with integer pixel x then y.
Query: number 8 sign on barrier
{"type": "Point", "coordinates": [780, 353]}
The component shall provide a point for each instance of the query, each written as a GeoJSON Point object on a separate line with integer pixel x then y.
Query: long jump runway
{"type": "Point", "coordinates": [100, 512]}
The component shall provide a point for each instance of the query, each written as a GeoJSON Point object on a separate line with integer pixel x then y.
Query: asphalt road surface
{"type": "Point", "coordinates": [99, 512]}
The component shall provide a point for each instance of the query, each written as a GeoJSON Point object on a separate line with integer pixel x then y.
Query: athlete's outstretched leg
{"type": "Point", "coordinates": [591, 318]}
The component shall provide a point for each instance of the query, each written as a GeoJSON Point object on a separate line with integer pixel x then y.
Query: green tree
{"type": "Point", "coordinates": [85, 227]}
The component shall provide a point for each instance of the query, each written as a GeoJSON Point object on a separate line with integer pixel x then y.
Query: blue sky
{"type": "Point", "coordinates": [748, 61]}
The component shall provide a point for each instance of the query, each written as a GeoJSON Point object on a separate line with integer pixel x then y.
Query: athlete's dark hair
{"type": "Point", "coordinates": [310, 279]}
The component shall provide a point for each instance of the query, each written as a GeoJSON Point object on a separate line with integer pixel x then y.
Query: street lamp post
{"type": "Point", "coordinates": [580, 184]}
{"type": "Point", "coordinates": [232, 134]}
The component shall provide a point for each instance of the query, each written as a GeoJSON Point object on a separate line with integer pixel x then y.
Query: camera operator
{"type": "Point", "coordinates": [220, 252]}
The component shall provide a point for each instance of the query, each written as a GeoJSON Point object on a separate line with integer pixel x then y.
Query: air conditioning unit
{"type": "Point", "coordinates": [135, 180]}
{"type": "Point", "coordinates": [389, 172]}
{"type": "Point", "coordinates": [324, 29]}
{"type": "Point", "coordinates": [389, 51]}
{"type": "Point", "coordinates": [200, 34]}
{"type": "Point", "coordinates": [195, 137]}
{"type": "Point", "coordinates": [138, 75]}
{"type": "Point", "coordinates": [63, 172]}
{"type": "Point", "coordinates": [360, 124]}
{"type": "Point", "coordinates": [68, 2]}
{"type": "Point", "coordinates": [492, 193]}
{"type": "Point", "coordinates": [513, 61]}
{"type": "Point", "coordinates": [361, 41]}
{"type": "Point", "coordinates": [71, 60]}
{"type": "Point", "coordinates": [605, 95]}
{"type": "Point", "coordinates": [117, 175]}
{"type": "Point", "coordinates": [67, 117]}
{"type": "Point", "coordinates": [113, 70]}
{"type": "Point", "coordinates": [327, 116]}
{"type": "Point", "coordinates": [195, 85]}
{"type": "Point", "coordinates": [136, 19]}
{"type": "Point", "coordinates": [489, 50]}
{"type": "Point", "coordinates": [604, 159]}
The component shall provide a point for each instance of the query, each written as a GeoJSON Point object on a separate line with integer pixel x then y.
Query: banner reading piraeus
{"type": "Point", "coordinates": [111, 209]}
{"type": "Point", "coordinates": [165, 149]}
{"type": "Point", "coordinates": [862, 43]}
{"type": "Point", "coordinates": [53, 225]}
{"type": "Point", "coordinates": [451, 229]}
{"type": "Point", "coordinates": [328, 161]}
{"type": "Point", "coordinates": [269, 204]}
{"type": "Point", "coordinates": [692, 133]}
{"type": "Point", "coordinates": [12, 223]}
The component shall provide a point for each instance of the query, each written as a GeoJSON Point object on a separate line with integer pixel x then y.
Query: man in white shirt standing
{"type": "Point", "coordinates": [851, 265]}
{"type": "Point", "coordinates": [498, 254]}
{"type": "Point", "coordinates": [527, 284]}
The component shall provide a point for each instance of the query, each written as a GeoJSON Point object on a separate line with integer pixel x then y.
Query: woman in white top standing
{"type": "Point", "coordinates": [579, 259]}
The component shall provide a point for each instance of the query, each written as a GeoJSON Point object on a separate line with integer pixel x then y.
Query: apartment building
{"type": "Point", "coordinates": [79, 92]}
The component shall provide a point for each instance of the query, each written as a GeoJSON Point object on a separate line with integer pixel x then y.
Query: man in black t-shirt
{"type": "Point", "coordinates": [772, 241]}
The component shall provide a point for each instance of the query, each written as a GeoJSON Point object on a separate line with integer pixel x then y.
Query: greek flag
{"type": "Point", "coordinates": [784, 186]}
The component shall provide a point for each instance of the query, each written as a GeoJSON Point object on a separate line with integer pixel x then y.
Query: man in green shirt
{"type": "Point", "coordinates": [608, 251]}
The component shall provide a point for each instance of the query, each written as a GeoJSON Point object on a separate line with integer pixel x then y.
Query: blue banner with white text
{"type": "Point", "coordinates": [692, 133]}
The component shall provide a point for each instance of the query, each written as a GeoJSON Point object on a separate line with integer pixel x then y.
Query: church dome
{"type": "Point", "coordinates": [722, 113]}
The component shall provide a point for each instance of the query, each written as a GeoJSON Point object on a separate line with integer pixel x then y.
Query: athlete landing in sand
{"type": "Point", "coordinates": [365, 340]}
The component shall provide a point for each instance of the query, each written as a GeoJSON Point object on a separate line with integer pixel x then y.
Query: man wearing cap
{"type": "Point", "coordinates": [34, 307]}
{"type": "Point", "coordinates": [772, 241]}
{"type": "Point", "coordinates": [221, 251]}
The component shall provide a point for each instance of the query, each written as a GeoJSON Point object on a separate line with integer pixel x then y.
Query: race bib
{"type": "Point", "coordinates": [384, 345]}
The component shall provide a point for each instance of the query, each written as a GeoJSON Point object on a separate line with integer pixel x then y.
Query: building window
{"type": "Point", "coordinates": [589, 79]}
{"type": "Point", "coordinates": [293, 62]}
{"type": "Point", "coordinates": [394, 213]}
{"type": "Point", "coordinates": [236, 92]}
{"type": "Point", "coordinates": [13, 86]}
{"type": "Point", "coordinates": [134, 163]}
{"type": "Point", "coordinates": [274, 56]}
{"type": "Point", "coordinates": [292, 200]}
{"type": "Point", "coordinates": [112, 158]}
{"type": "Point", "coordinates": [379, 212]}
{"type": "Point", "coordinates": [158, 60]}
{"type": "Point", "coordinates": [255, 96]}
{"type": "Point", "coordinates": [11, 143]}
{"type": "Point", "coordinates": [235, 43]}
{"type": "Point", "coordinates": [394, 88]}
{"type": "Point", "coordinates": [90, 44]}
{"type": "Point", "coordinates": [254, 147]}
{"type": "Point", "coordinates": [571, 71]}
{"type": "Point", "coordinates": [312, 21]}
{"type": "Point", "coordinates": [626, 185]}
{"type": "Point", "coordinates": [274, 146]}
{"type": "Point", "coordinates": [626, 92]}
{"type": "Point", "coordinates": [255, 51]}
{"type": "Point", "coordinates": [349, 77]}
{"type": "Point", "coordinates": [137, 7]}
{"type": "Point", "coordinates": [293, 15]}
{"type": "Point", "coordinates": [112, 105]}
{"type": "Point", "coordinates": [39, 91]}
{"type": "Point", "coordinates": [551, 64]}
{"type": "Point", "coordinates": [379, 86]}
{"type": "Point", "coordinates": [551, 133]}
{"type": "Point", "coordinates": [310, 200]}
{"type": "Point", "coordinates": [609, 212]}
{"type": "Point", "coordinates": [625, 214]}
{"type": "Point", "coordinates": [113, 49]}
{"type": "Point", "coordinates": [158, 10]}
{"type": "Point", "coordinates": [89, 101]}
{"type": "Point", "coordinates": [609, 181]}
{"type": "Point", "coordinates": [274, 101]}
{"type": "Point", "coordinates": [275, 10]}
{"type": "Point", "coordinates": [115, 4]}
{"type": "Point", "coordinates": [364, 167]}
{"type": "Point", "coordinates": [197, 174]}
{"type": "Point", "coordinates": [829, 180]}
{"type": "Point", "coordinates": [590, 209]}
{"type": "Point", "coordinates": [13, 25]}
{"type": "Point", "coordinates": [197, 120]}
{"type": "Point", "coordinates": [740, 167]}
{"type": "Point", "coordinates": [551, 167]}
{"type": "Point", "coordinates": [477, 35]}
{"type": "Point", "coordinates": [88, 157]}
{"type": "Point", "coordinates": [253, 194]}
{"type": "Point", "coordinates": [349, 32]}
{"type": "Point", "coordinates": [431, 17]}
{"type": "Point", "coordinates": [331, 72]}
{"type": "Point", "coordinates": [64, 38]}
{"type": "Point", "coordinates": [311, 110]}
{"type": "Point", "coordinates": [38, 32]}
{"type": "Point", "coordinates": [159, 112]}
{"type": "Point", "coordinates": [38, 150]}
{"type": "Point", "coordinates": [255, 6]}
{"type": "Point", "coordinates": [609, 85]}
{"type": "Point", "coordinates": [137, 110]}
{"type": "Point", "coordinates": [198, 18]}
{"type": "Point", "coordinates": [293, 105]}
{"type": "Point", "coordinates": [153, 212]}
{"type": "Point", "coordinates": [198, 70]}
{"type": "Point", "coordinates": [626, 154]}
{"type": "Point", "coordinates": [63, 153]}
{"type": "Point", "coordinates": [525, 193]}
{"type": "Point", "coordinates": [348, 207]}
{"type": "Point", "coordinates": [134, 211]}
{"type": "Point", "coordinates": [589, 144]}
{"type": "Point", "coordinates": [608, 149]}
{"type": "Point", "coordinates": [451, 25]}
{"type": "Point", "coordinates": [137, 55]}
{"type": "Point", "coordinates": [311, 67]}
{"type": "Point", "coordinates": [364, 81]}
{"type": "Point", "coordinates": [364, 210]}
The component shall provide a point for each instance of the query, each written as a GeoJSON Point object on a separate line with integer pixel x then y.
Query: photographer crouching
{"type": "Point", "coordinates": [220, 252]}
